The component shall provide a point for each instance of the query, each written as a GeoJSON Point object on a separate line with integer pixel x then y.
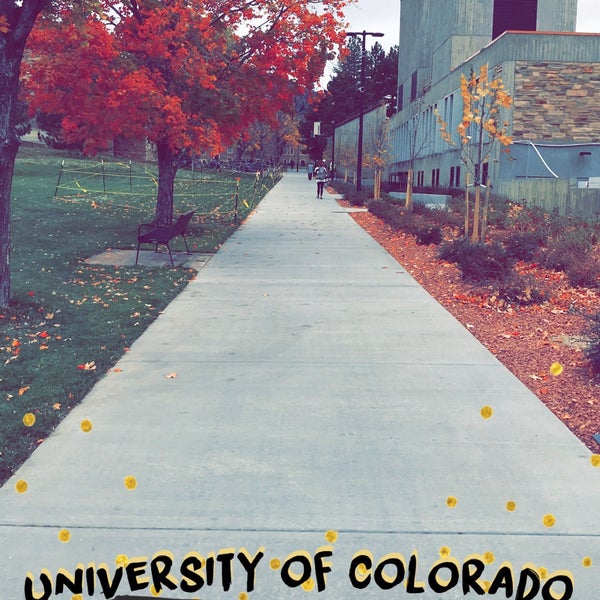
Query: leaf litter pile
{"type": "Point", "coordinates": [541, 344]}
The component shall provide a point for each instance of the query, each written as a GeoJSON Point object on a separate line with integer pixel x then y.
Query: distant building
{"type": "Point", "coordinates": [552, 74]}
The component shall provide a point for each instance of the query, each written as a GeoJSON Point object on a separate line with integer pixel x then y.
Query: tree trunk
{"type": "Point", "coordinates": [20, 19]}
{"type": "Point", "coordinates": [467, 207]}
{"type": "Point", "coordinates": [167, 171]}
{"type": "Point", "coordinates": [476, 211]}
{"type": "Point", "coordinates": [486, 209]}
{"type": "Point", "coordinates": [9, 145]}
{"type": "Point", "coordinates": [408, 203]}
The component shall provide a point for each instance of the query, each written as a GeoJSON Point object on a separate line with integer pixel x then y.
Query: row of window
{"type": "Point", "coordinates": [455, 174]}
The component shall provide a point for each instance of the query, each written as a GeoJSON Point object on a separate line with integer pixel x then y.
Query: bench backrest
{"type": "Point", "coordinates": [182, 222]}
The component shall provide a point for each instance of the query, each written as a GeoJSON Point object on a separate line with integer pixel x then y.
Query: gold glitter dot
{"type": "Point", "coordinates": [275, 564]}
{"type": "Point", "coordinates": [130, 482]}
{"type": "Point", "coordinates": [486, 412]}
{"type": "Point", "coordinates": [451, 501]}
{"type": "Point", "coordinates": [595, 460]}
{"type": "Point", "coordinates": [28, 419]}
{"type": "Point", "coordinates": [86, 425]}
{"type": "Point", "coordinates": [64, 535]}
{"type": "Point", "coordinates": [444, 551]}
{"type": "Point", "coordinates": [243, 596]}
{"type": "Point", "coordinates": [489, 558]}
{"type": "Point", "coordinates": [308, 585]}
{"type": "Point", "coordinates": [21, 486]}
{"type": "Point", "coordinates": [331, 536]}
{"type": "Point", "coordinates": [511, 506]}
{"type": "Point", "coordinates": [587, 561]}
{"type": "Point", "coordinates": [556, 369]}
{"type": "Point", "coordinates": [77, 597]}
{"type": "Point", "coordinates": [549, 520]}
{"type": "Point", "coordinates": [122, 560]}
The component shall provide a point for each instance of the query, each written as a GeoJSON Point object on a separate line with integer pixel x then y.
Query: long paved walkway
{"type": "Point", "coordinates": [304, 397]}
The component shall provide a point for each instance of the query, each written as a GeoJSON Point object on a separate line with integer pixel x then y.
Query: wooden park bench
{"type": "Point", "coordinates": [149, 233]}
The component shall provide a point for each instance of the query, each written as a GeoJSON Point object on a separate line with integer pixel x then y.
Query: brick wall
{"type": "Point", "coordinates": [557, 101]}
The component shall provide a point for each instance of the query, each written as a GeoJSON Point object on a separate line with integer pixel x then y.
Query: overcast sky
{"type": "Point", "coordinates": [384, 16]}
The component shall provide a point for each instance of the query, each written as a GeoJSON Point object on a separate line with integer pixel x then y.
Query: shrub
{"type": "Point", "coordinates": [429, 235]}
{"type": "Point", "coordinates": [584, 273]}
{"type": "Point", "coordinates": [569, 249]}
{"type": "Point", "coordinates": [451, 251]}
{"type": "Point", "coordinates": [592, 351]}
{"type": "Point", "coordinates": [393, 215]}
{"type": "Point", "coordinates": [522, 290]}
{"type": "Point", "coordinates": [480, 263]}
{"type": "Point", "coordinates": [524, 245]}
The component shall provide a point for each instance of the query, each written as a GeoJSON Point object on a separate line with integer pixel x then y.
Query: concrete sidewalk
{"type": "Point", "coordinates": [304, 383]}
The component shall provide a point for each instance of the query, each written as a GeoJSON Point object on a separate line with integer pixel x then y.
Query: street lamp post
{"type": "Point", "coordinates": [362, 34]}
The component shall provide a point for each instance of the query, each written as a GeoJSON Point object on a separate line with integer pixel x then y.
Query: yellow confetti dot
{"type": "Point", "coordinates": [130, 482]}
{"type": "Point", "coordinates": [77, 597]}
{"type": "Point", "coordinates": [331, 536]}
{"type": "Point", "coordinates": [451, 501]}
{"type": "Point", "coordinates": [511, 506]}
{"type": "Point", "coordinates": [28, 419]}
{"type": "Point", "coordinates": [64, 535]}
{"type": "Point", "coordinates": [587, 561]}
{"type": "Point", "coordinates": [549, 520]}
{"type": "Point", "coordinates": [308, 585]}
{"type": "Point", "coordinates": [486, 412]}
{"type": "Point", "coordinates": [86, 425]}
{"type": "Point", "coordinates": [556, 369]}
{"type": "Point", "coordinates": [489, 558]}
{"type": "Point", "coordinates": [275, 564]}
{"type": "Point", "coordinates": [243, 596]}
{"type": "Point", "coordinates": [21, 486]}
{"type": "Point", "coordinates": [595, 460]}
{"type": "Point", "coordinates": [122, 560]}
{"type": "Point", "coordinates": [444, 551]}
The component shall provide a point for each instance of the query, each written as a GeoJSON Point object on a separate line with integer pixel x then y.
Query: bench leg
{"type": "Point", "coordinates": [170, 255]}
{"type": "Point", "coordinates": [137, 254]}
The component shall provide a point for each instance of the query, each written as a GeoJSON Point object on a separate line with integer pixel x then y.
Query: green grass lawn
{"type": "Point", "coordinates": [67, 314]}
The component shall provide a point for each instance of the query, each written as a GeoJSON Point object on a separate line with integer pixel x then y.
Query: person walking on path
{"type": "Point", "coordinates": [321, 177]}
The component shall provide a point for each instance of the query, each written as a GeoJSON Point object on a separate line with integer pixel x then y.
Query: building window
{"type": "Point", "coordinates": [435, 178]}
{"type": "Point", "coordinates": [413, 87]}
{"type": "Point", "coordinates": [514, 15]}
{"type": "Point", "coordinates": [420, 178]}
{"type": "Point", "coordinates": [457, 177]}
{"type": "Point", "coordinates": [452, 170]}
{"type": "Point", "coordinates": [485, 173]}
{"type": "Point", "coordinates": [400, 97]}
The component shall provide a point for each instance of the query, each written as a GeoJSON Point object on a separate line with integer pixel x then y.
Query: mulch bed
{"type": "Point", "coordinates": [526, 339]}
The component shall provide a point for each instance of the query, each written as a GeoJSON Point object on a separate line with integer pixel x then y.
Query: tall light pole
{"type": "Point", "coordinates": [363, 34]}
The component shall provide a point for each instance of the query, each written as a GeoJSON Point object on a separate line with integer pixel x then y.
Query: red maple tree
{"type": "Point", "coordinates": [186, 75]}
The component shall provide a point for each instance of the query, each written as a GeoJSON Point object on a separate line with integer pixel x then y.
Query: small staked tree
{"type": "Point", "coordinates": [418, 139]}
{"type": "Point", "coordinates": [377, 156]}
{"type": "Point", "coordinates": [480, 131]}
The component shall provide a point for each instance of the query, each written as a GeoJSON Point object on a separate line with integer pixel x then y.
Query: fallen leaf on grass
{"type": "Point", "coordinates": [23, 389]}
{"type": "Point", "coordinates": [88, 366]}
